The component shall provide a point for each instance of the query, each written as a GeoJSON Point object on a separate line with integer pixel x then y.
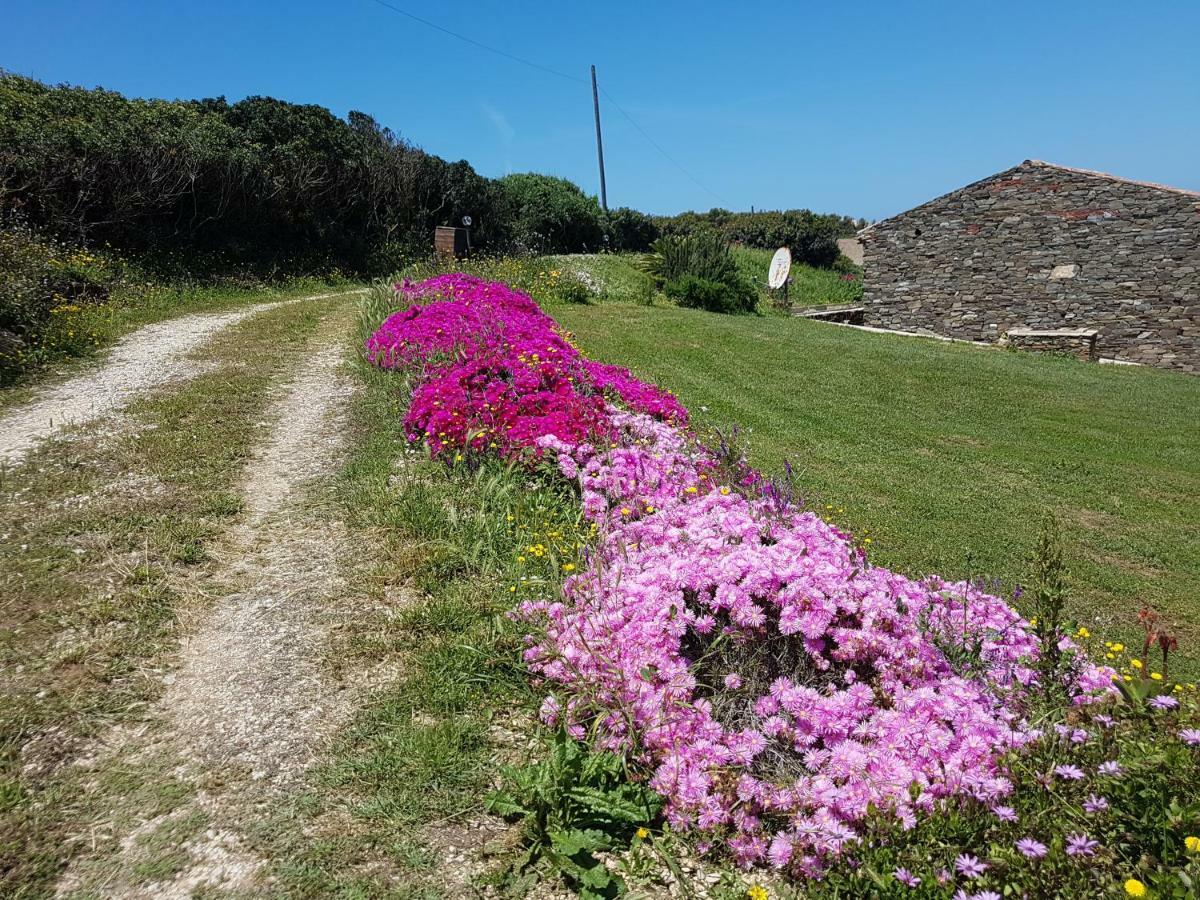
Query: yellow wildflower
{"type": "Point", "coordinates": [725, 492]}
{"type": "Point", "coordinates": [757, 892]}
{"type": "Point", "coordinates": [643, 833]}
{"type": "Point", "coordinates": [1135, 888]}
{"type": "Point", "coordinates": [1083, 632]}
{"type": "Point", "coordinates": [1136, 663]}
{"type": "Point", "coordinates": [1117, 648]}
{"type": "Point", "coordinates": [1157, 676]}
{"type": "Point", "coordinates": [1192, 843]}
{"type": "Point", "coordinates": [569, 567]}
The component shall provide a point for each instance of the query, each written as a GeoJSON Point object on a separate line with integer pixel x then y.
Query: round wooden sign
{"type": "Point", "coordinates": [781, 265]}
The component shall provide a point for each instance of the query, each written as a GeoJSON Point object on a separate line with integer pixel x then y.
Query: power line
{"type": "Point", "coordinates": [531, 64]}
{"type": "Point", "coordinates": [696, 181]}
{"type": "Point", "coordinates": [479, 44]}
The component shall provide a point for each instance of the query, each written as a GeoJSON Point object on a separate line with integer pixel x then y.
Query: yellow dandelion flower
{"type": "Point", "coordinates": [1136, 663]}
{"type": "Point", "coordinates": [643, 833]}
{"type": "Point", "coordinates": [1157, 676]}
{"type": "Point", "coordinates": [1192, 843]}
{"type": "Point", "coordinates": [569, 567]}
{"type": "Point", "coordinates": [757, 892]}
{"type": "Point", "coordinates": [725, 492]}
{"type": "Point", "coordinates": [1135, 888]}
{"type": "Point", "coordinates": [1083, 632]}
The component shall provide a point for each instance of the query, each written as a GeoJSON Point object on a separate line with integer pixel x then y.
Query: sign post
{"type": "Point", "coordinates": [466, 220]}
{"type": "Point", "coordinates": [778, 274]}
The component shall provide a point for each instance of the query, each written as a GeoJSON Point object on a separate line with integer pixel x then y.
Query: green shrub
{"type": "Point", "coordinates": [715, 296]}
{"type": "Point", "coordinates": [705, 255]}
{"type": "Point", "coordinates": [551, 215]}
{"type": "Point", "coordinates": [629, 231]}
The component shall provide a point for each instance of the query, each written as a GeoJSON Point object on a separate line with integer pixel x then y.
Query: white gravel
{"type": "Point", "coordinates": [144, 359]}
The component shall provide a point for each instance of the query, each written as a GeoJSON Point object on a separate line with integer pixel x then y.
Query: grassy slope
{"type": "Point", "coordinates": [808, 286]}
{"type": "Point", "coordinates": [949, 454]}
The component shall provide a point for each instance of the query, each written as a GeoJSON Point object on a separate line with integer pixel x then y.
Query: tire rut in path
{"type": "Point", "coordinates": [248, 707]}
{"type": "Point", "coordinates": [151, 356]}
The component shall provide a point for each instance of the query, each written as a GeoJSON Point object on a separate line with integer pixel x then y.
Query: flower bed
{"type": "Point", "coordinates": [779, 690]}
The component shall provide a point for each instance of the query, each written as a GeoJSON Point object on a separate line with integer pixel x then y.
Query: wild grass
{"type": "Point", "coordinates": [100, 536]}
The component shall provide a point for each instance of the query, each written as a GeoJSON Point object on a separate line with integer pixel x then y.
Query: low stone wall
{"type": "Point", "coordinates": [1044, 248]}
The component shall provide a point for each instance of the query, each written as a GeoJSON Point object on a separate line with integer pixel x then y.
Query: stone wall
{"type": "Point", "coordinates": [1043, 247]}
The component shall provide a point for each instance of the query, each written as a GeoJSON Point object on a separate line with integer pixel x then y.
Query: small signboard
{"type": "Point", "coordinates": [781, 266]}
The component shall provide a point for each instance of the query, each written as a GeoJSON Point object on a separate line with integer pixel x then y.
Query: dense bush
{"type": "Point", "coordinates": [704, 255]}
{"type": "Point", "coordinates": [629, 230]}
{"type": "Point", "coordinates": [699, 272]}
{"type": "Point", "coordinates": [715, 296]}
{"type": "Point", "coordinates": [811, 236]}
{"type": "Point", "coordinates": [551, 215]}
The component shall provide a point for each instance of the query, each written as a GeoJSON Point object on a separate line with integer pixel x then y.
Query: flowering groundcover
{"type": "Point", "coordinates": [778, 689]}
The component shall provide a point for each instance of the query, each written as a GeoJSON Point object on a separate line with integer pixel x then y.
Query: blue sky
{"type": "Point", "coordinates": [864, 108]}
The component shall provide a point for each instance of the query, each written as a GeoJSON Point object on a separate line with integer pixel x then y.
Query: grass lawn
{"type": "Point", "coordinates": [950, 454]}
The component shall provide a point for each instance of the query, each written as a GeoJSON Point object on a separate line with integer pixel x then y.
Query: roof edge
{"type": "Point", "coordinates": [1043, 164]}
{"type": "Point", "coordinates": [1095, 174]}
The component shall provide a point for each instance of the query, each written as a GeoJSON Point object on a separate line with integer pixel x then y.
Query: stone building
{"type": "Point", "coordinates": [1046, 257]}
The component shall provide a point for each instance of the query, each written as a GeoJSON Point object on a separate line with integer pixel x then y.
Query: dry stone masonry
{"type": "Point", "coordinates": [1038, 255]}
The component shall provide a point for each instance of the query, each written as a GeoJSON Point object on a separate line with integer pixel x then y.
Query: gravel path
{"type": "Point", "coordinates": [146, 358]}
{"type": "Point", "coordinates": [249, 709]}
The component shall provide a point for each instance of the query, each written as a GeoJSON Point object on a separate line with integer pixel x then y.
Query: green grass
{"type": "Point", "coordinates": [808, 286]}
{"type": "Point", "coordinates": [949, 454]}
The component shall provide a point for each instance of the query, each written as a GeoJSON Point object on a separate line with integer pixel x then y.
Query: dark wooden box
{"type": "Point", "coordinates": [451, 241]}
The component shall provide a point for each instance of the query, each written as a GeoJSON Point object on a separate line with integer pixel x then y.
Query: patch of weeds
{"type": "Point", "coordinates": [572, 805]}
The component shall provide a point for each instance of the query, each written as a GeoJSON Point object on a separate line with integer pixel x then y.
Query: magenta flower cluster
{"type": "Point", "coordinates": [775, 685]}
{"type": "Point", "coordinates": [495, 373]}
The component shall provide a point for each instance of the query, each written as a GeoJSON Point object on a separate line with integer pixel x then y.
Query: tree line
{"type": "Point", "coordinates": [287, 186]}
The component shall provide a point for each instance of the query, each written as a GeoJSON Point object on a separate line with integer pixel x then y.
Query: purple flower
{"type": "Point", "coordinates": [1106, 721]}
{"type": "Point", "coordinates": [906, 877]}
{"type": "Point", "coordinates": [1031, 849]}
{"type": "Point", "coordinates": [1081, 845]}
{"type": "Point", "coordinates": [1164, 702]}
{"type": "Point", "coordinates": [733, 681]}
{"type": "Point", "coordinates": [969, 866]}
{"type": "Point", "coordinates": [1069, 773]}
{"type": "Point", "coordinates": [1111, 768]}
{"type": "Point", "coordinates": [1095, 804]}
{"type": "Point", "coordinates": [1190, 736]}
{"type": "Point", "coordinates": [985, 895]}
{"type": "Point", "coordinates": [1004, 813]}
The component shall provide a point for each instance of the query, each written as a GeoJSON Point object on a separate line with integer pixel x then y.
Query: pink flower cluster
{"type": "Point", "coordinates": [775, 685]}
{"type": "Point", "coordinates": [495, 374]}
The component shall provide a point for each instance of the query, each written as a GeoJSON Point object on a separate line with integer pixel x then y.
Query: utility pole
{"type": "Point", "coordinates": [599, 142]}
